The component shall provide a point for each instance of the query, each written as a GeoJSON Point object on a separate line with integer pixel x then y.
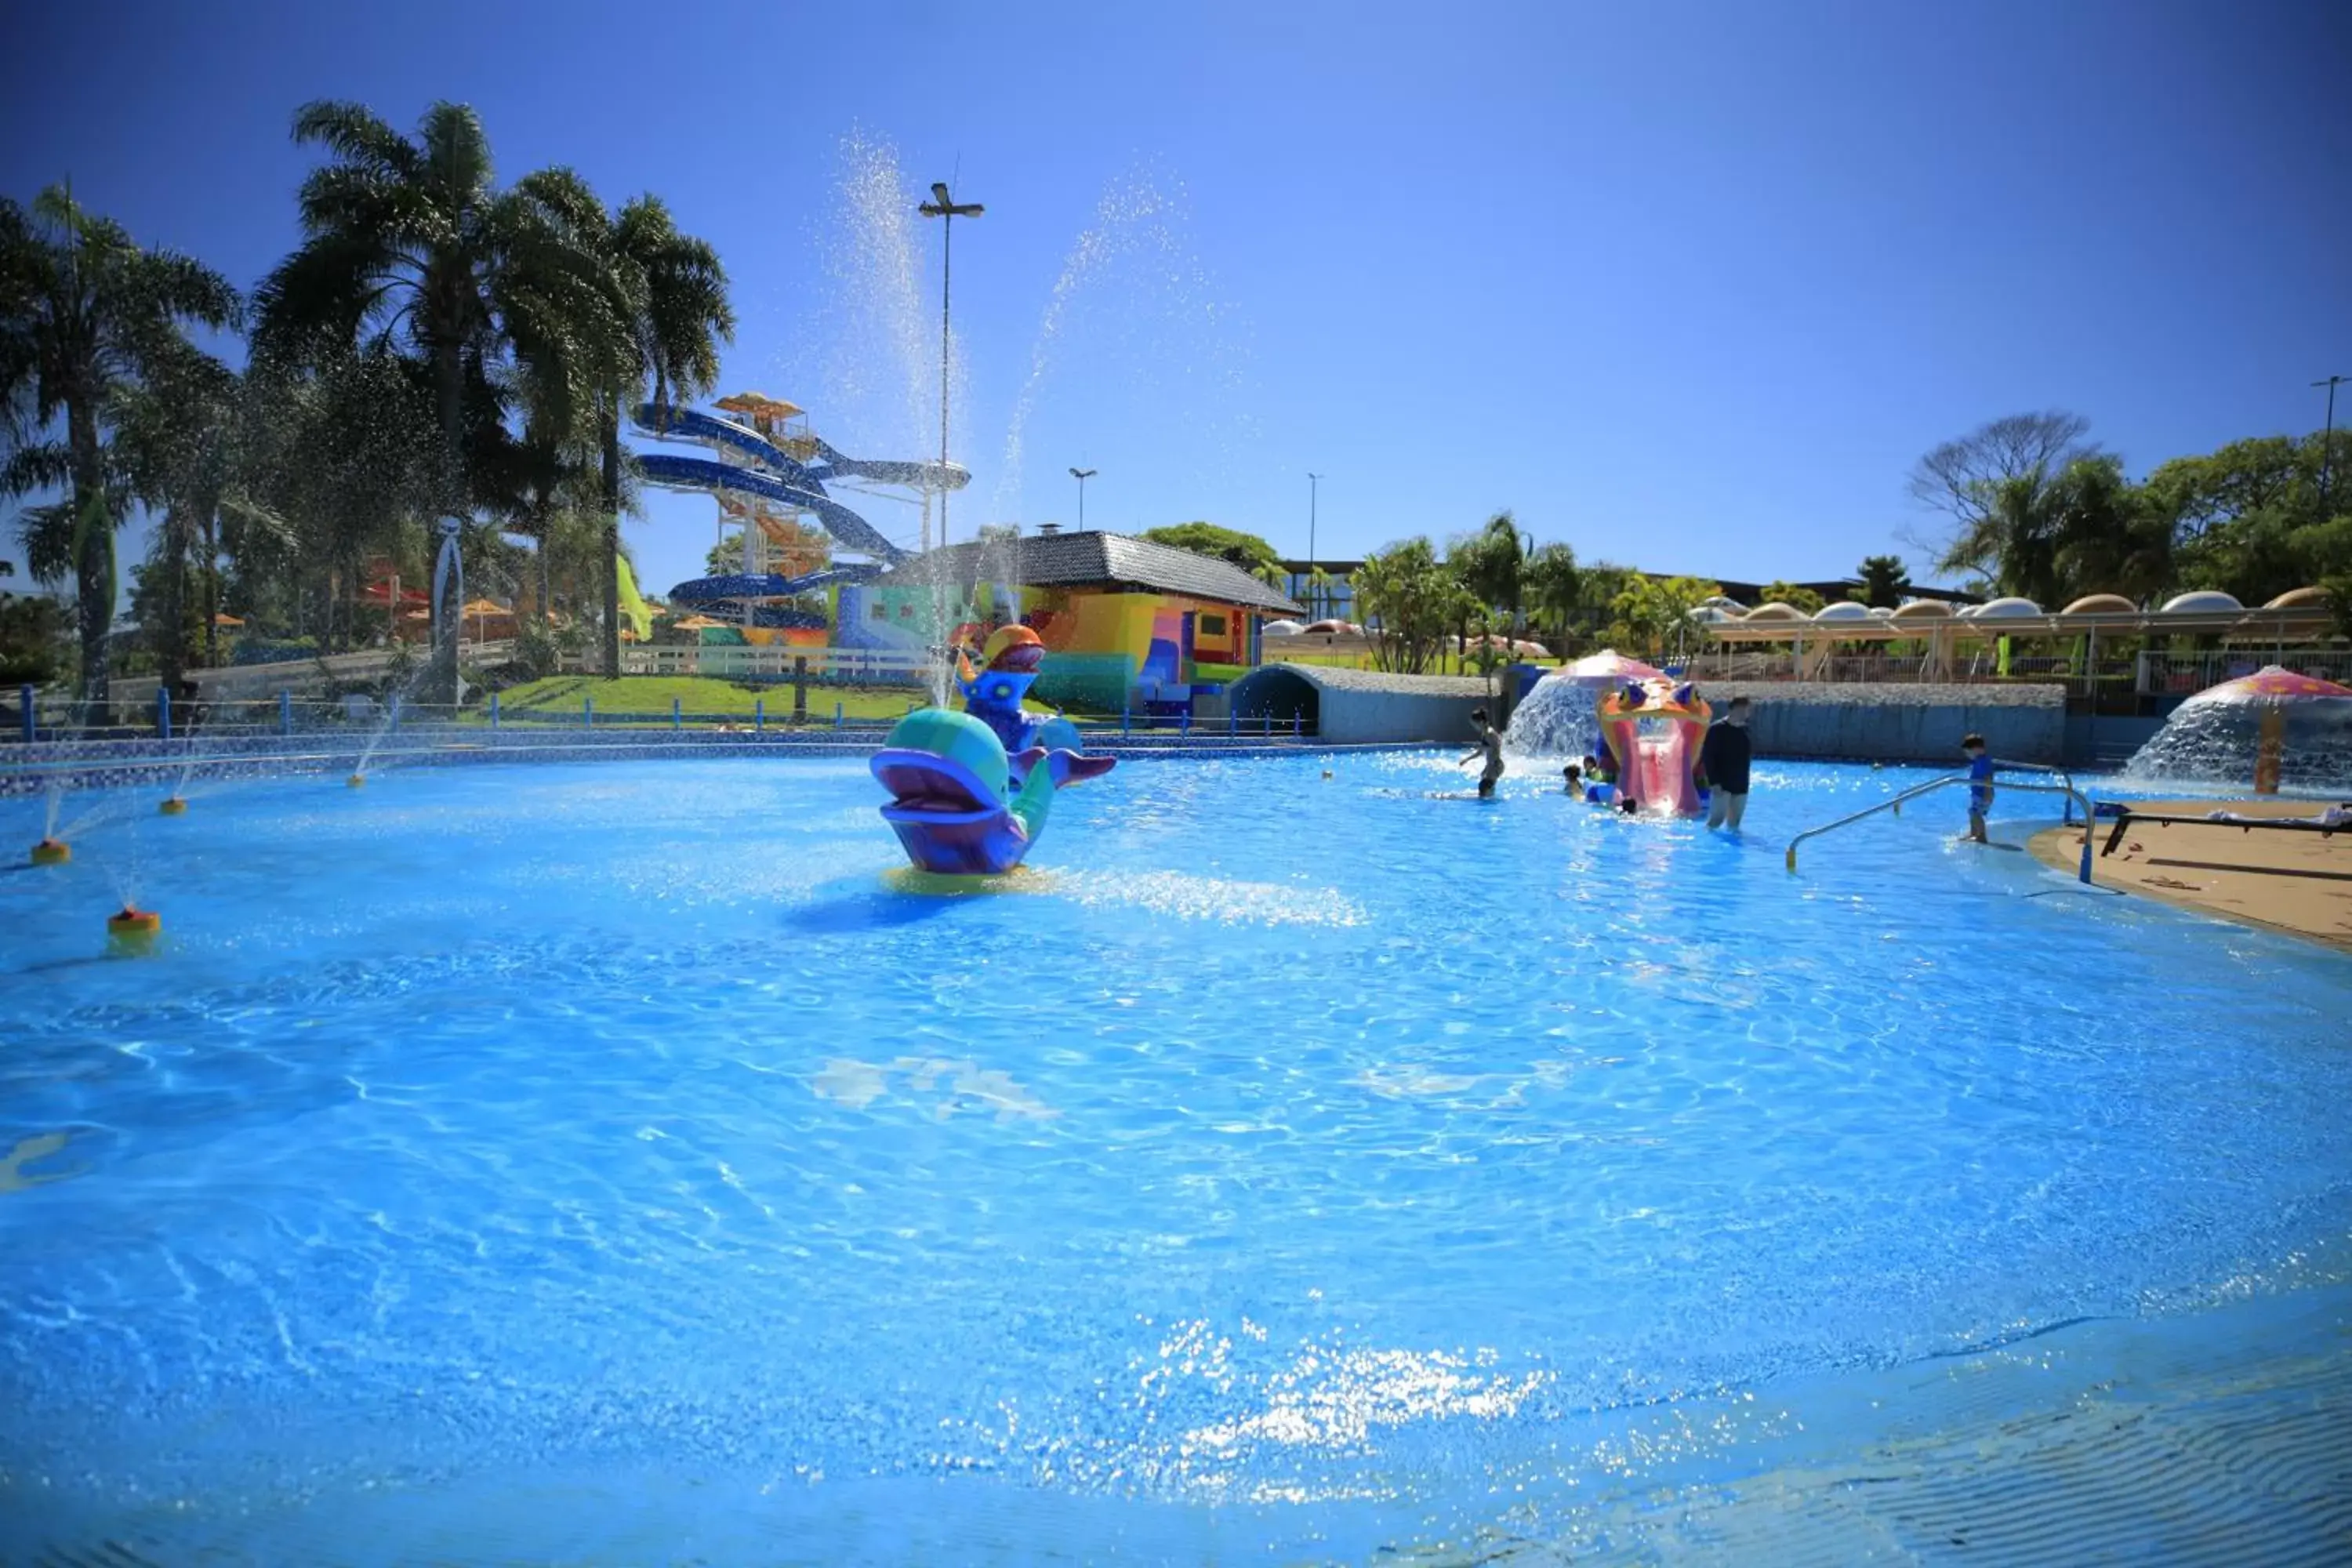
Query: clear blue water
{"type": "Point", "coordinates": [1310, 1153]}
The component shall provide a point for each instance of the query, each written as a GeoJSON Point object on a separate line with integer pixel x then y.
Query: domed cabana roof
{"type": "Point", "coordinates": [1775, 612]}
{"type": "Point", "coordinates": [2011, 607]}
{"type": "Point", "coordinates": [1923, 610]}
{"type": "Point", "coordinates": [2296, 598]}
{"type": "Point", "coordinates": [2100, 604]}
{"type": "Point", "coordinates": [2204, 602]}
{"type": "Point", "coordinates": [1844, 610]}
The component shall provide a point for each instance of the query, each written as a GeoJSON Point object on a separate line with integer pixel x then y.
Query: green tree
{"type": "Point", "coordinates": [1964, 478]}
{"type": "Point", "coordinates": [35, 640]}
{"type": "Point", "coordinates": [348, 454]}
{"type": "Point", "coordinates": [1318, 593]}
{"type": "Point", "coordinates": [668, 293]}
{"type": "Point", "coordinates": [179, 439]}
{"type": "Point", "coordinates": [1489, 564]}
{"type": "Point", "coordinates": [411, 243]}
{"type": "Point", "coordinates": [86, 314]}
{"type": "Point", "coordinates": [1410, 603]}
{"type": "Point", "coordinates": [1653, 613]}
{"type": "Point", "coordinates": [1780, 592]}
{"type": "Point", "coordinates": [2113, 536]}
{"type": "Point", "coordinates": [1553, 583]}
{"type": "Point", "coordinates": [1246, 550]}
{"type": "Point", "coordinates": [2253, 519]}
{"type": "Point", "coordinates": [1884, 580]}
{"type": "Point", "coordinates": [2053, 537]}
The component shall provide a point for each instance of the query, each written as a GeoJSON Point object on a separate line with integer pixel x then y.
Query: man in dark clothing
{"type": "Point", "coordinates": [1723, 760]}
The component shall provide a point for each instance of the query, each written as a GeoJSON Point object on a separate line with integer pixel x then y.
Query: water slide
{"type": "Point", "coordinates": [756, 467]}
{"type": "Point", "coordinates": [1662, 772]}
{"type": "Point", "coordinates": [1652, 729]}
{"type": "Point", "coordinates": [710, 477]}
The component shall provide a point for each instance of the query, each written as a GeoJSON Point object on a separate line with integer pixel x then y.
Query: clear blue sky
{"type": "Point", "coordinates": [1689, 286]}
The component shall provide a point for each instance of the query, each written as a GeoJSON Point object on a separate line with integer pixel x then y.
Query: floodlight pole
{"type": "Point", "coordinates": [1082, 476]}
{"type": "Point", "coordinates": [1312, 481]}
{"type": "Point", "coordinates": [2328, 441]}
{"type": "Point", "coordinates": [944, 207]}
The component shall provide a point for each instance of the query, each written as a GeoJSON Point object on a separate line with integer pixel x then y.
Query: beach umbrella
{"type": "Point", "coordinates": [1609, 668]}
{"type": "Point", "coordinates": [2273, 683]}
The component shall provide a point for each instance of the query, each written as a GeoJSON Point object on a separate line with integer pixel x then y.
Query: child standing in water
{"type": "Point", "coordinates": [1490, 743]}
{"type": "Point", "coordinates": [1980, 787]}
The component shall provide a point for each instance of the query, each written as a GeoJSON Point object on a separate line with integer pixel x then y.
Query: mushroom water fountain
{"type": "Point", "coordinates": [1561, 716]}
{"type": "Point", "coordinates": [2274, 728]}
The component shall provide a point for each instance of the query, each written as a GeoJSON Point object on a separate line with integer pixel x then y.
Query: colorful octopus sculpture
{"type": "Point", "coordinates": [1653, 729]}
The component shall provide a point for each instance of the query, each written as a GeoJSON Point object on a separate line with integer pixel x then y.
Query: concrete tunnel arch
{"type": "Point", "coordinates": [1276, 692]}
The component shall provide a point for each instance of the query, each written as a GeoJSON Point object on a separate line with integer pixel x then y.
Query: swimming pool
{"type": "Point", "coordinates": [564, 1156]}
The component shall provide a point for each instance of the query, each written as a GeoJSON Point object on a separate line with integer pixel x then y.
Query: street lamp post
{"type": "Point", "coordinates": [1082, 476]}
{"type": "Point", "coordinates": [941, 205]}
{"type": "Point", "coordinates": [1312, 481]}
{"type": "Point", "coordinates": [2328, 441]}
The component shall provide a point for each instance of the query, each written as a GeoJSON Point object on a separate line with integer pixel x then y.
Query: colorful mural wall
{"type": "Point", "coordinates": [1105, 650]}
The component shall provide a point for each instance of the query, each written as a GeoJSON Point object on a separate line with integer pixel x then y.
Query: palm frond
{"type": "Point", "coordinates": [356, 134]}
{"type": "Point", "coordinates": [38, 466]}
{"type": "Point", "coordinates": [46, 534]}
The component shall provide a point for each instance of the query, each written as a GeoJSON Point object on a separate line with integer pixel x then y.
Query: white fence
{"type": "Point", "coordinates": [739, 662]}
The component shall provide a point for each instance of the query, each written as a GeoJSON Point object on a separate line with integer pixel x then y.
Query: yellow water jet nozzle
{"type": "Point", "coordinates": [133, 924]}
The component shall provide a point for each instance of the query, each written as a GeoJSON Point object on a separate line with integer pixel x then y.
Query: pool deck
{"type": "Point", "coordinates": [2300, 883]}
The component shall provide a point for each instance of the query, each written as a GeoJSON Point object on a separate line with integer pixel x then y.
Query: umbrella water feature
{"type": "Point", "coordinates": [2274, 728]}
{"type": "Point", "coordinates": [1559, 717]}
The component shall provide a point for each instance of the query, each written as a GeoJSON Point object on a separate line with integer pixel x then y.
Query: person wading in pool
{"type": "Point", "coordinates": [1723, 759]}
{"type": "Point", "coordinates": [1490, 745]}
{"type": "Point", "coordinates": [1980, 787]}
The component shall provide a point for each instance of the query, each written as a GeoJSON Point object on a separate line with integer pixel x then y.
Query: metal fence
{"type": "Point", "coordinates": [838, 665]}
{"type": "Point", "coordinates": [2148, 674]}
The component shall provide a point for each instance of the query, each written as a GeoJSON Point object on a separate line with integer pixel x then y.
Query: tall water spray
{"type": "Point", "coordinates": [878, 364]}
{"type": "Point", "coordinates": [1133, 291]}
{"type": "Point", "coordinates": [1559, 717]}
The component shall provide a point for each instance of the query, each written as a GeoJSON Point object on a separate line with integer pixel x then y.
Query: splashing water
{"type": "Point", "coordinates": [1557, 720]}
{"type": "Point", "coordinates": [1137, 248]}
{"type": "Point", "coordinates": [878, 368]}
{"type": "Point", "coordinates": [2211, 740]}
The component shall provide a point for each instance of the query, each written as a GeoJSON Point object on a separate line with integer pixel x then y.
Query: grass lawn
{"type": "Point", "coordinates": [646, 699]}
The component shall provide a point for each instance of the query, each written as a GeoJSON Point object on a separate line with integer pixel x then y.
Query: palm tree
{"type": "Point", "coordinates": [85, 315]}
{"type": "Point", "coordinates": [668, 292]}
{"type": "Point", "coordinates": [409, 243]}
{"type": "Point", "coordinates": [175, 437]}
{"type": "Point", "coordinates": [1554, 582]}
{"type": "Point", "coordinates": [1318, 593]}
{"type": "Point", "coordinates": [2113, 538]}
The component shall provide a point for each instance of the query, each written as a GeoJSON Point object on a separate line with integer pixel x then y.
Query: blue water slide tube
{"type": "Point", "coordinates": [769, 585]}
{"type": "Point", "coordinates": [748, 445]}
{"type": "Point", "coordinates": [921, 475]}
{"type": "Point", "coordinates": [726, 479]}
{"type": "Point", "coordinates": [739, 441]}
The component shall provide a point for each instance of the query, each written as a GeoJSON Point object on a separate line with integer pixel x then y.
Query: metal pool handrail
{"type": "Point", "coordinates": [1894, 804]}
